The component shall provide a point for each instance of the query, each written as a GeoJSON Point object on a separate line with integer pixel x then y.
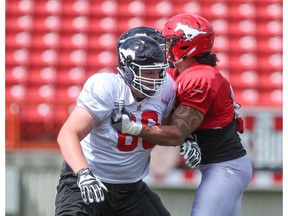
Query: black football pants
{"type": "Point", "coordinates": [135, 199]}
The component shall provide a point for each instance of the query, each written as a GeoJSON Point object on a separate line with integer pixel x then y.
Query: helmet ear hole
{"type": "Point", "coordinates": [129, 75]}
{"type": "Point", "coordinates": [184, 47]}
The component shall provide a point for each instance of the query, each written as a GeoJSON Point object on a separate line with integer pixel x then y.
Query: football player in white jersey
{"type": "Point", "coordinates": [103, 169]}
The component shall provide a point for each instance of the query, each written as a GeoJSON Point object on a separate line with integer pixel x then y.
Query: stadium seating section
{"type": "Point", "coordinates": [53, 46]}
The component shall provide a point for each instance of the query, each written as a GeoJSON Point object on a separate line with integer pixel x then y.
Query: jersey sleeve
{"type": "Point", "coordinates": [98, 95]}
{"type": "Point", "coordinates": [171, 95]}
{"type": "Point", "coordinates": [194, 90]}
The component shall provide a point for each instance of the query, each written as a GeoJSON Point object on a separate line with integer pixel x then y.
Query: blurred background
{"type": "Point", "coordinates": [53, 46]}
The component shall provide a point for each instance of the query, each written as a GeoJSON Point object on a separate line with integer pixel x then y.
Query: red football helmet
{"type": "Point", "coordinates": [187, 36]}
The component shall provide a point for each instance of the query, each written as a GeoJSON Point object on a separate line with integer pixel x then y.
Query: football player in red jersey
{"type": "Point", "coordinates": [206, 109]}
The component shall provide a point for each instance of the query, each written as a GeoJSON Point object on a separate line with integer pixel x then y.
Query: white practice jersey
{"type": "Point", "coordinates": [115, 157]}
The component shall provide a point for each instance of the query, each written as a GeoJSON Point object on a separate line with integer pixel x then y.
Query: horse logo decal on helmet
{"type": "Point", "coordinates": [189, 32]}
{"type": "Point", "coordinates": [127, 53]}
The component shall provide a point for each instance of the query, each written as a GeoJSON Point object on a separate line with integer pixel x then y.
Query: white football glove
{"type": "Point", "coordinates": [123, 123]}
{"type": "Point", "coordinates": [91, 186]}
{"type": "Point", "coordinates": [191, 152]}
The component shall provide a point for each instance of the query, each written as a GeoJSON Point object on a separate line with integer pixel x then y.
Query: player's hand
{"type": "Point", "coordinates": [123, 123]}
{"type": "Point", "coordinates": [191, 152]}
{"type": "Point", "coordinates": [91, 186]}
{"type": "Point", "coordinates": [239, 119]}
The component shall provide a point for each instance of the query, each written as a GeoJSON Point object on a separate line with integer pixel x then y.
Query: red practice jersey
{"type": "Point", "coordinates": [206, 90]}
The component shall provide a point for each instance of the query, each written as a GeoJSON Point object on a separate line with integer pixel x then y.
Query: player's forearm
{"type": "Point", "coordinates": [72, 152]}
{"type": "Point", "coordinates": [162, 135]}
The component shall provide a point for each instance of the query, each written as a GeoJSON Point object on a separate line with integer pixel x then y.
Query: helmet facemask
{"type": "Point", "coordinates": [148, 86]}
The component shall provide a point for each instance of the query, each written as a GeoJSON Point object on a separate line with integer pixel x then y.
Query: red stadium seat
{"type": "Point", "coordinates": [19, 7]}
{"type": "Point", "coordinates": [247, 97]}
{"type": "Point", "coordinates": [158, 9]}
{"type": "Point", "coordinates": [105, 8]}
{"type": "Point", "coordinates": [133, 8]}
{"type": "Point", "coordinates": [16, 93]}
{"type": "Point", "coordinates": [43, 93]}
{"type": "Point", "coordinates": [270, 62]}
{"type": "Point", "coordinates": [246, 61]}
{"type": "Point", "coordinates": [242, 27]}
{"type": "Point", "coordinates": [222, 27]}
{"type": "Point", "coordinates": [266, 1]}
{"type": "Point", "coordinates": [104, 24]}
{"type": "Point", "coordinates": [17, 56]}
{"type": "Point", "coordinates": [271, 81]}
{"type": "Point", "coordinates": [36, 122]}
{"type": "Point", "coordinates": [102, 41]}
{"type": "Point", "coordinates": [270, 45]}
{"type": "Point", "coordinates": [43, 75]}
{"type": "Point", "coordinates": [221, 44]}
{"type": "Point", "coordinates": [22, 39]}
{"type": "Point", "coordinates": [76, 24]}
{"type": "Point", "coordinates": [215, 10]}
{"type": "Point", "coordinates": [47, 8]}
{"type": "Point", "coordinates": [243, 44]}
{"type": "Point", "coordinates": [271, 98]}
{"type": "Point", "coordinates": [61, 112]}
{"type": "Point", "coordinates": [269, 28]}
{"type": "Point", "coordinates": [253, 97]}
{"type": "Point", "coordinates": [75, 41]}
{"type": "Point", "coordinates": [70, 8]}
{"type": "Point", "coordinates": [125, 24]}
{"type": "Point", "coordinates": [37, 112]}
{"type": "Point", "coordinates": [269, 10]}
{"type": "Point", "coordinates": [60, 115]}
{"type": "Point", "coordinates": [68, 95]}
{"type": "Point", "coordinates": [48, 23]}
{"type": "Point", "coordinates": [72, 57]}
{"type": "Point", "coordinates": [16, 75]}
{"type": "Point", "coordinates": [240, 11]}
{"type": "Point", "coordinates": [101, 59]}
{"type": "Point", "coordinates": [193, 7]}
{"type": "Point", "coordinates": [44, 57]}
{"type": "Point", "coordinates": [71, 76]}
{"type": "Point", "coordinates": [244, 80]}
{"type": "Point", "coordinates": [46, 40]}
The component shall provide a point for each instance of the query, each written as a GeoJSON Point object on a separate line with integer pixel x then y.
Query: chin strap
{"type": "Point", "coordinates": [185, 56]}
